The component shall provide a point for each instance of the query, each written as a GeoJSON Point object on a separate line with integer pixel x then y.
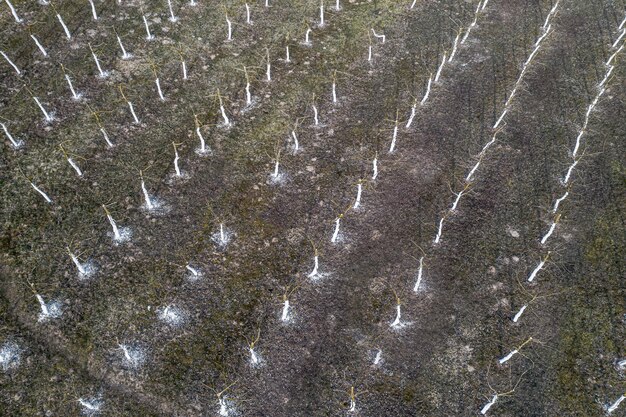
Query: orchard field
{"type": "Point", "coordinates": [301, 208]}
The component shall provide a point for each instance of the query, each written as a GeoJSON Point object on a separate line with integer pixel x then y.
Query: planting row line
{"type": "Point", "coordinates": [576, 155]}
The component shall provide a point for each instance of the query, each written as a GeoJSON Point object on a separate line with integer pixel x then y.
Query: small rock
{"type": "Point", "coordinates": [513, 232]}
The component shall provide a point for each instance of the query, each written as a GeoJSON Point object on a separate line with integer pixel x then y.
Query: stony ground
{"type": "Point", "coordinates": [339, 348]}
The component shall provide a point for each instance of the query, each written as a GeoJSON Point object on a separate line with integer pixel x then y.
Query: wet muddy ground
{"type": "Point", "coordinates": [339, 348]}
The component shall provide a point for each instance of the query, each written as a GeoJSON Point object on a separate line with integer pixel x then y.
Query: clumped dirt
{"type": "Point", "coordinates": [337, 345]}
